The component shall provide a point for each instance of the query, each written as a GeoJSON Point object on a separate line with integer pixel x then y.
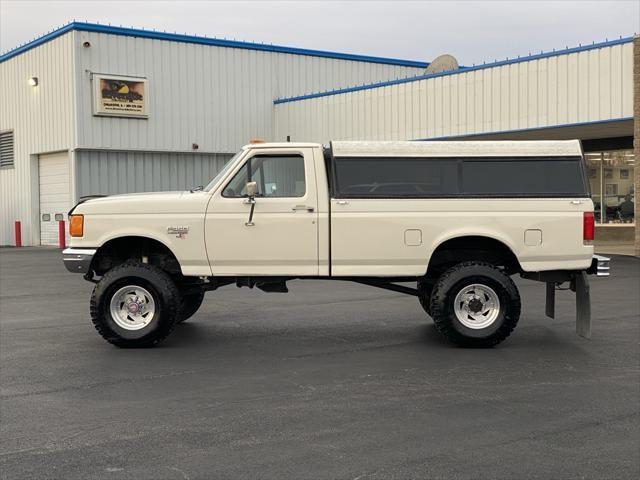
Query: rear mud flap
{"type": "Point", "coordinates": [550, 306]}
{"type": "Point", "coordinates": [580, 285]}
{"type": "Point", "coordinates": [583, 305]}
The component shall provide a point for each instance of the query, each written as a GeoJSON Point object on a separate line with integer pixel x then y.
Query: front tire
{"type": "Point", "coordinates": [475, 304]}
{"type": "Point", "coordinates": [135, 305]}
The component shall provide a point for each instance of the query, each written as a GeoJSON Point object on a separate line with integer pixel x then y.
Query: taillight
{"type": "Point", "coordinates": [588, 227]}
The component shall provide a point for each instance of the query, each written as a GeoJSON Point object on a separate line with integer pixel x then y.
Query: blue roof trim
{"type": "Point", "coordinates": [357, 88]}
{"type": "Point", "coordinates": [174, 37]}
{"type": "Point", "coordinates": [528, 58]}
{"type": "Point", "coordinates": [34, 43]}
{"type": "Point", "coordinates": [531, 129]}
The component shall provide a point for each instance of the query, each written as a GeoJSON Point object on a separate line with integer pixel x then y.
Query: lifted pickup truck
{"type": "Point", "coordinates": [457, 219]}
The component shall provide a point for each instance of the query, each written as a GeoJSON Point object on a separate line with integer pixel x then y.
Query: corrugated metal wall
{"type": "Point", "coordinates": [216, 97]}
{"type": "Point", "coordinates": [109, 172]}
{"type": "Point", "coordinates": [586, 86]}
{"type": "Point", "coordinates": [42, 121]}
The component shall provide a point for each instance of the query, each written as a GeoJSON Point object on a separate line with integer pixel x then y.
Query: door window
{"type": "Point", "coordinates": [277, 176]}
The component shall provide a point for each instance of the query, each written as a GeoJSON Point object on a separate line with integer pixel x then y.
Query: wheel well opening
{"type": "Point", "coordinates": [470, 248]}
{"type": "Point", "coordinates": [143, 249]}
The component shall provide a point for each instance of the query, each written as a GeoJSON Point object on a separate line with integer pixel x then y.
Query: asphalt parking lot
{"type": "Point", "coordinates": [333, 380]}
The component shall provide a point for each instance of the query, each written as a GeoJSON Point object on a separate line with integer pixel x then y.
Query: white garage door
{"type": "Point", "coordinates": [55, 195]}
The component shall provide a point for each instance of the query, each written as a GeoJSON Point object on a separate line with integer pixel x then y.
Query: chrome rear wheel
{"type": "Point", "coordinates": [477, 306]}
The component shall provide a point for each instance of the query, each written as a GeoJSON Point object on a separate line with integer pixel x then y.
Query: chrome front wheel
{"type": "Point", "coordinates": [135, 305]}
{"type": "Point", "coordinates": [132, 307]}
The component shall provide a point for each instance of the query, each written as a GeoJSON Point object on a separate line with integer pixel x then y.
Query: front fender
{"type": "Point", "coordinates": [183, 237]}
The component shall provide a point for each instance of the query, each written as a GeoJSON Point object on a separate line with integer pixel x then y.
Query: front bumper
{"type": "Point", "coordinates": [78, 260]}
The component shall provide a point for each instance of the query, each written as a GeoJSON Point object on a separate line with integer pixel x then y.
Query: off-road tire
{"type": "Point", "coordinates": [424, 295]}
{"type": "Point", "coordinates": [189, 305]}
{"type": "Point", "coordinates": [453, 281]}
{"type": "Point", "coordinates": [161, 287]}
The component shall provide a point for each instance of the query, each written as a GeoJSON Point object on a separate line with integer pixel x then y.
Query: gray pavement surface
{"type": "Point", "coordinates": [333, 380]}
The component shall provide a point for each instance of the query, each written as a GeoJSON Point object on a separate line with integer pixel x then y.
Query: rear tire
{"type": "Point", "coordinates": [189, 306]}
{"type": "Point", "coordinates": [135, 305]}
{"type": "Point", "coordinates": [475, 304]}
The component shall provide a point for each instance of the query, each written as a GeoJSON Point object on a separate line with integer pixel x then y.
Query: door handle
{"type": "Point", "coordinates": [302, 207]}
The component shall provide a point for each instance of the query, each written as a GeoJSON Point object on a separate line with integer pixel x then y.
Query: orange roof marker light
{"type": "Point", "coordinates": [256, 140]}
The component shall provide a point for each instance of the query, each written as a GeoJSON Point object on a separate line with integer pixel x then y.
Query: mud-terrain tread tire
{"type": "Point", "coordinates": [189, 305]}
{"type": "Point", "coordinates": [450, 283]}
{"type": "Point", "coordinates": [161, 285]}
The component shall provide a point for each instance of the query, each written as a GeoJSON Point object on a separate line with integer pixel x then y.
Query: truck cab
{"type": "Point", "coordinates": [289, 231]}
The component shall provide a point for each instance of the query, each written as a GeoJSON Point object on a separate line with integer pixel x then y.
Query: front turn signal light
{"type": "Point", "coordinates": [76, 225]}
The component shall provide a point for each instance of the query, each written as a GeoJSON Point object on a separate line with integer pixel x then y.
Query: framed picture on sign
{"type": "Point", "coordinates": [119, 96]}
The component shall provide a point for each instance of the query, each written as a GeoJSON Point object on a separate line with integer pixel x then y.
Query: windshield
{"type": "Point", "coordinates": [222, 172]}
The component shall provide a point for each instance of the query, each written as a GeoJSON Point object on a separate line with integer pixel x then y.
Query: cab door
{"type": "Point", "coordinates": [282, 238]}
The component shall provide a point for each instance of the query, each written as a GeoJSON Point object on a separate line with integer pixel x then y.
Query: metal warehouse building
{"type": "Point", "coordinates": [95, 109]}
{"type": "Point", "coordinates": [203, 99]}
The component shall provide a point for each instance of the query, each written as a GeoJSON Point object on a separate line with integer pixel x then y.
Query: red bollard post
{"type": "Point", "coordinates": [18, 230]}
{"type": "Point", "coordinates": [61, 237]}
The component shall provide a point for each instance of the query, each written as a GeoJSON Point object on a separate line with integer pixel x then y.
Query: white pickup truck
{"type": "Point", "coordinates": [457, 219]}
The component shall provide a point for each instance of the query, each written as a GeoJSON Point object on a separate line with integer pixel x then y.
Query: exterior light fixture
{"type": "Point", "coordinates": [33, 81]}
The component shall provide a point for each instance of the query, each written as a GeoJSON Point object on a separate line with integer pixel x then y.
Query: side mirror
{"type": "Point", "coordinates": [252, 189]}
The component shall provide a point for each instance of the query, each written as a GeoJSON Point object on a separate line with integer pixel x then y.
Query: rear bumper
{"type": "Point", "coordinates": [599, 266]}
{"type": "Point", "coordinates": [78, 260]}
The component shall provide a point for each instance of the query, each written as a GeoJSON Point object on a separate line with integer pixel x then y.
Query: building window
{"type": "Point", "coordinates": [611, 179]}
{"type": "Point", "coordinates": [6, 149]}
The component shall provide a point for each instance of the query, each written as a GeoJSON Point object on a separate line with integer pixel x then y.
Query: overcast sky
{"type": "Point", "coordinates": [473, 31]}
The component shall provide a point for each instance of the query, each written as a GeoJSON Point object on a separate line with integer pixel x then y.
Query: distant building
{"type": "Point", "coordinates": [92, 109]}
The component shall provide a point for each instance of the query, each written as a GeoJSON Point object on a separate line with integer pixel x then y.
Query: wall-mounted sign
{"type": "Point", "coordinates": [116, 96]}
